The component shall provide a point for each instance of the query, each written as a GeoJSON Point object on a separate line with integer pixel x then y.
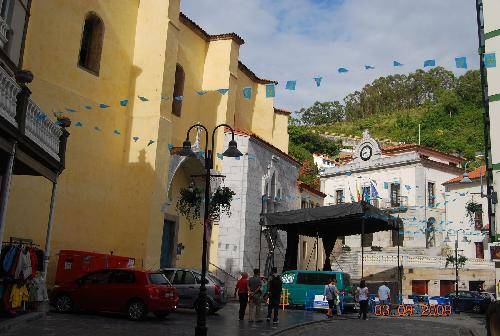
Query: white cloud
{"type": "Point", "coordinates": [300, 39]}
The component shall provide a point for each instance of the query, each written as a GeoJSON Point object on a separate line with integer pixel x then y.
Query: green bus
{"type": "Point", "coordinates": [302, 286]}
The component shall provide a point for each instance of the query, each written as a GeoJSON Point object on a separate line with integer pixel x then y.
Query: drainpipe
{"type": "Point", "coordinates": [49, 228]}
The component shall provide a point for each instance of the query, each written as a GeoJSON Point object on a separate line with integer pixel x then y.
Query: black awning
{"type": "Point", "coordinates": [336, 220]}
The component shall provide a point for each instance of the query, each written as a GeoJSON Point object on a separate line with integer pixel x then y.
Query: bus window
{"type": "Point", "coordinates": [314, 279]}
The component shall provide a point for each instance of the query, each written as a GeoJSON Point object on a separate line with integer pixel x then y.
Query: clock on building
{"type": "Point", "coordinates": [365, 153]}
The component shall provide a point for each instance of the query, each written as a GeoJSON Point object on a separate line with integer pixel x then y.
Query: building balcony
{"type": "Point", "coordinates": [41, 143]}
{"type": "Point", "coordinates": [395, 205]}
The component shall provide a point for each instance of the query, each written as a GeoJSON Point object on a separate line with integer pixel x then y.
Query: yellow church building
{"type": "Point", "coordinates": [133, 76]}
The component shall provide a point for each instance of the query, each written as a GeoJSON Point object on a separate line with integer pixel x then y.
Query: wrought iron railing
{"type": "Point", "coordinates": [8, 93]}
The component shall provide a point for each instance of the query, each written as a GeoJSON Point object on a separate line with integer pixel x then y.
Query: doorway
{"type": "Point", "coordinates": [477, 286]}
{"type": "Point", "coordinates": [167, 243]}
{"type": "Point", "coordinates": [419, 287]}
{"type": "Point", "coordinates": [446, 287]}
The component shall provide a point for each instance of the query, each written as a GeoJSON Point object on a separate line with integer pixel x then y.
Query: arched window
{"type": "Point", "coordinates": [178, 90]}
{"type": "Point", "coordinates": [91, 48]}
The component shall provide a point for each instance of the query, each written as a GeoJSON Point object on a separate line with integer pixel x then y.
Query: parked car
{"type": "Point", "coordinates": [187, 283]}
{"type": "Point", "coordinates": [349, 304]}
{"type": "Point", "coordinates": [469, 301]}
{"type": "Point", "coordinates": [117, 290]}
{"type": "Point", "coordinates": [486, 295]}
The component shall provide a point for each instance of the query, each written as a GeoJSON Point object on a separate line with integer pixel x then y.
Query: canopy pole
{"type": "Point", "coordinates": [317, 251]}
{"type": "Point", "coordinates": [399, 267]}
{"type": "Point", "coordinates": [362, 247]}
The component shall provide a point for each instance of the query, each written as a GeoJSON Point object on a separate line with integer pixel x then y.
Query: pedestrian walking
{"type": "Point", "coordinates": [274, 292]}
{"type": "Point", "coordinates": [362, 294]}
{"type": "Point", "coordinates": [384, 294]}
{"type": "Point", "coordinates": [242, 290]}
{"type": "Point", "coordinates": [254, 296]}
{"type": "Point", "coordinates": [331, 294]}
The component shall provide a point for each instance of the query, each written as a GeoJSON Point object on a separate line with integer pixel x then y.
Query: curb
{"type": "Point", "coordinates": [18, 321]}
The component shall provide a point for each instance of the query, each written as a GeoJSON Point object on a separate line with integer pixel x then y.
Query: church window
{"type": "Point", "coordinates": [91, 46]}
{"type": "Point", "coordinates": [178, 96]}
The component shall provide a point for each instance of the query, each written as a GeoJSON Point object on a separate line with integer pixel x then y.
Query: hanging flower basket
{"type": "Point", "coordinates": [472, 208]}
{"type": "Point", "coordinates": [191, 198]}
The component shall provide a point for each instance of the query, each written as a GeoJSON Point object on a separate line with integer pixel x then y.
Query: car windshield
{"type": "Point", "coordinates": [215, 279]}
{"type": "Point", "coordinates": [158, 279]}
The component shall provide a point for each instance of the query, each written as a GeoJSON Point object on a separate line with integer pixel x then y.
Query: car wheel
{"type": "Point", "coordinates": [476, 309]}
{"type": "Point", "coordinates": [64, 304]}
{"type": "Point", "coordinates": [161, 314]}
{"type": "Point", "coordinates": [136, 310]}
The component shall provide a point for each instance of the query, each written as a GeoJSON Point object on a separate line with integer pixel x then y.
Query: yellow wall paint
{"type": "Point", "coordinates": [113, 192]}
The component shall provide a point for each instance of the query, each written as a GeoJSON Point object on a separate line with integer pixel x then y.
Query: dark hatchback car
{"type": "Point", "coordinates": [469, 301]}
{"type": "Point", "coordinates": [117, 290]}
{"type": "Point", "coordinates": [187, 283]}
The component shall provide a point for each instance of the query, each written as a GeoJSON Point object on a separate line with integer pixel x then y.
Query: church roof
{"type": "Point", "coordinates": [206, 36]}
{"type": "Point", "coordinates": [253, 76]}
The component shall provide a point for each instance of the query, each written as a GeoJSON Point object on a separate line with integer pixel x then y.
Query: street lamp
{"type": "Point", "coordinates": [465, 177]}
{"type": "Point", "coordinates": [448, 240]}
{"type": "Point", "coordinates": [231, 151]}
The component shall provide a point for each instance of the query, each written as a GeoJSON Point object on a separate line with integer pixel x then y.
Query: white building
{"type": "Point", "coordinates": [475, 222]}
{"type": "Point", "coordinates": [407, 181]}
{"type": "Point", "coordinates": [264, 180]}
{"type": "Point", "coordinates": [491, 14]}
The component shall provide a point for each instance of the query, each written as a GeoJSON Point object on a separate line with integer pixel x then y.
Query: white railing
{"type": "Point", "coordinates": [8, 93]}
{"type": "Point", "coordinates": [4, 30]}
{"type": "Point", "coordinates": [42, 130]}
{"type": "Point", "coordinates": [419, 261]}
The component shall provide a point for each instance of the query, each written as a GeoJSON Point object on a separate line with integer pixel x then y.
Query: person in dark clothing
{"type": "Point", "coordinates": [242, 291]}
{"type": "Point", "coordinates": [274, 292]}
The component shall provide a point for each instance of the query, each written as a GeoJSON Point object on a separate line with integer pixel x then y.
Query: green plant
{"type": "Point", "coordinates": [189, 203]}
{"type": "Point", "coordinates": [472, 208]}
{"type": "Point", "coordinates": [451, 260]}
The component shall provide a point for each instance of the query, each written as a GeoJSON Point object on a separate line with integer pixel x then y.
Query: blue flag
{"type": "Point", "coordinates": [179, 98]}
{"type": "Point", "coordinates": [220, 156]}
{"type": "Point", "coordinates": [144, 99]}
{"type": "Point", "coordinates": [97, 128]}
{"type": "Point", "coordinates": [136, 138]}
{"type": "Point", "coordinates": [397, 64]}
{"type": "Point", "coordinates": [461, 62]}
{"type": "Point", "coordinates": [117, 132]}
{"type": "Point", "coordinates": [369, 67]}
{"type": "Point", "coordinates": [103, 106]}
{"type": "Point", "coordinates": [373, 190]}
{"type": "Point", "coordinates": [201, 93]}
{"type": "Point", "coordinates": [150, 142]}
{"type": "Point", "coordinates": [490, 60]}
{"type": "Point", "coordinates": [342, 70]}
{"type": "Point", "coordinates": [124, 102]}
{"type": "Point", "coordinates": [223, 91]}
{"type": "Point", "coordinates": [170, 146]}
{"type": "Point", "coordinates": [247, 92]}
{"type": "Point", "coordinates": [429, 63]}
{"type": "Point", "coordinates": [270, 90]}
{"type": "Point", "coordinates": [88, 107]}
{"type": "Point", "coordinates": [78, 124]}
{"type": "Point", "coordinates": [318, 80]}
{"type": "Point", "coordinates": [290, 85]}
{"type": "Point", "coordinates": [70, 110]}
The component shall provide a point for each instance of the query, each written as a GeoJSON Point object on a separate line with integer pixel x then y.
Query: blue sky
{"type": "Point", "coordinates": [302, 39]}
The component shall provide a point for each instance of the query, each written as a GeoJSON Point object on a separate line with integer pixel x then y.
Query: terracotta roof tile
{"type": "Point", "coordinates": [311, 189]}
{"type": "Point", "coordinates": [419, 148]}
{"type": "Point", "coordinates": [473, 175]}
{"type": "Point", "coordinates": [281, 111]}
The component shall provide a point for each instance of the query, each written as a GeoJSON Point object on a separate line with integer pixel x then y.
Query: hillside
{"type": "Point", "coordinates": [447, 108]}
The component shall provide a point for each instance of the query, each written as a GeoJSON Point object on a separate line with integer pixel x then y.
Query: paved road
{"type": "Point", "coordinates": [379, 327]}
{"type": "Point", "coordinates": [226, 323]}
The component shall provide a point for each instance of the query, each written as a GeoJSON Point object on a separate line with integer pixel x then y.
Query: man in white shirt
{"type": "Point", "coordinates": [384, 294]}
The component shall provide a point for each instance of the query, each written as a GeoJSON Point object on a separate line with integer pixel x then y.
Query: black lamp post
{"type": "Point", "coordinates": [231, 151]}
{"type": "Point", "coordinates": [447, 240]}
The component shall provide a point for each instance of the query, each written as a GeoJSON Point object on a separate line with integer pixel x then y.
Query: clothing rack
{"type": "Point", "coordinates": [21, 241]}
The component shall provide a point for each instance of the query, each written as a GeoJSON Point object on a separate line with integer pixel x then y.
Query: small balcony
{"type": "Point", "coordinates": [4, 31]}
{"type": "Point", "coordinates": [23, 122]}
{"type": "Point", "coordinates": [394, 205]}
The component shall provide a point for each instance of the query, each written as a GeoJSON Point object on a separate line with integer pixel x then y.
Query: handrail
{"type": "Point", "coordinates": [223, 271]}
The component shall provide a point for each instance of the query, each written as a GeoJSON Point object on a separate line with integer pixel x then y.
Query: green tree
{"type": "Point", "coordinates": [322, 113]}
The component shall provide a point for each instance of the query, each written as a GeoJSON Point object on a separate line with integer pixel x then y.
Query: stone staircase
{"type": "Point", "coordinates": [347, 262]}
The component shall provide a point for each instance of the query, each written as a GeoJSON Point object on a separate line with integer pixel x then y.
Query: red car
{"type": "Point", "coordinates": [117, 290]}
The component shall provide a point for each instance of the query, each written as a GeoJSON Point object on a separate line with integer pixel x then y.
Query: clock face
{"type": "Point", "coordinates": [365, 153]}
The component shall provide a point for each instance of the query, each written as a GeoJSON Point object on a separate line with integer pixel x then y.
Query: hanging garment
{"type": "Point", "coordinates": [23, 268]}
{"type": "Point", "coordinates": [34, 260]}
{"type": "Point", "coordinates": [13, 268]}
{"type": "Point", "coordinates": [41, 289]}
{"type": "Point", "coordinates": [10, 256]}
{"type": "Point", "coordinates": [40, 258]}
{"type": "Point", "coordinates": [3, 254]}
{"type": "Point", "coordinates": [17, 296]}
